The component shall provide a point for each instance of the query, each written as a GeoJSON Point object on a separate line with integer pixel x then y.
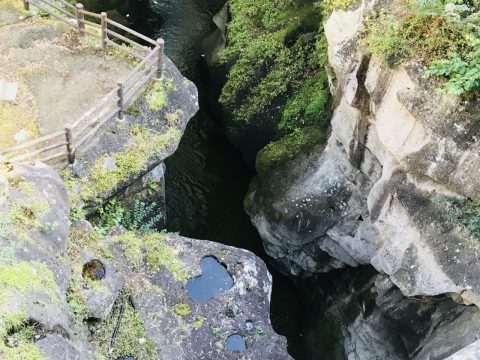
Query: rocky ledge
{"type": "Point", "coordinates": [71, 293]}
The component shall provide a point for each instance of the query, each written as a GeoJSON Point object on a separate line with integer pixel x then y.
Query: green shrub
{"type": "Point", "coordinates": [463, 74]}
{"type": "Point", "coordinates": [442, 34]}
{"type": "Point", "coordinates": [466, 215]}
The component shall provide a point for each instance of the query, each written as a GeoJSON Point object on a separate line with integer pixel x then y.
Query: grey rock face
{"type": "Point", "coordinates": [372, 195]}
{"type": "Point", "coordinates": [33, 242]}
{"type": "Point", "coordinates": [182, 328]}
{"type": "Point", "coordinates": [365, 316]}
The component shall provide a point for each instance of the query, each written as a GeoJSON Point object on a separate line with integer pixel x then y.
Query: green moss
{"type": "Point", "coordinates": [172, 118]}
{"type": "Point", "coordinates": [199, 322]}
{"type": "Point", "coordinates": [278, 153]}
{"type": "Point", "coordinates": [20, 279]}
{"type": "Point", "coordinates": [216, 330]}
{"type": "Point", "coordinates": [182, 309]}
{"type": "Point", "coordinates": [465, 214]}
{"type": "Point", "coordinates": [145, 143]}
{"type": "Point", "coordinates": [153, 248]}
{"type": "Point", "coordinates": [441, 34]}
{"type": "Point", "coordinates": [18, 328]}
{"type": "Point", "coordinates": [23, 276]}
{"type": "Point", "coordinates": [309, 105]}
{"type": "Point", "coordinates": [132, 338]}
{"type": "Point", "coordinates": [133, 110]}
{"type": "Point", "coordinates": [259, 330]}
{"type": "Point", "coordinates": [274, 47]}
{"type": "Point", "coordinates": [329, 6]}
{"type": "Point", "coordinates": [157, 95]}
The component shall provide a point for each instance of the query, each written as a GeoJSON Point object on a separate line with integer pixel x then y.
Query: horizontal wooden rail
{"type": "Point", "coordinates": [123, 48]}
{"type": "Point", "coordinates": [133, 32]}
{"type": "Point", "coordinates": [134, 80]}
{"type": "Point", "coordinates": [95, 108]}
{"type": "Point", "coordinates": [54, 156]}
{"type": "Point", "coordinates": [95, 15]}
{"type": "Point", "coordinates": [66, 3]}
{"type": "Point", "coordinates": [92, 24]}
{"type": "Point", "coordinates": [127, 40]}
{"type": "Point", "coordinates": [127, 77]}
{"type": "Point", "coordinates": [140, 86]}
{"type": "Point", "coordinates": [36, 3]}
{"type": "Point", "coordinates": [92, 132]}
{"type": "Point", "coordinates": [59, 8]}
{"type": "Point", "coordinates": [32, 142]}
{"type": "Point", "coordinates": [39, 151]}
{"type": "Point", "coordinates": [113, 103]}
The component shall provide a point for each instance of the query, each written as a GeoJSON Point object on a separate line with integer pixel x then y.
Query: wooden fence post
{"type": "Point", "coordinates": [80, 19]}
{"type": "Point", "coordinates": [26, 5]}
{"type": "Point", "coordinates": [161, 50]}
{"type": "Point", "coordinates": [104, 29]}
{"type": "Point", "coordinates": [120, 100]}
{"type": "Point", "coordinates": [69, 138]}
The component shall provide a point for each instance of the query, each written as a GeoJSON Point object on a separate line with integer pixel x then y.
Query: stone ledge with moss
{"type": "Point", "coordinates": [34, 266]}
{"type": "Point", "coordinates": [156, 267]}
{"type": "Point", "coordinates": [71, 292]}
{"type": "Point", "coordinates": [125, 151]}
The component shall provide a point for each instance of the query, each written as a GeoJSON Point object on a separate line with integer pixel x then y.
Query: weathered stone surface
{"type": "Point", "coordinates": [201, 331]}
{"type": "Point", "coordinates": [359, 314]}
{"type": "Point", "coordinates": [372, 195]}
{"type": "Point", "coordinates": [56, 347]}
{"type": "Point", "coordinates": [33, 240]}
{"type": "Point", "coordinates": [471, 352]}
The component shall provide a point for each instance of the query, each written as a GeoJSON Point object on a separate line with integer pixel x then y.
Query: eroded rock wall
{"type": "Point", "coordinates": [373, 194]}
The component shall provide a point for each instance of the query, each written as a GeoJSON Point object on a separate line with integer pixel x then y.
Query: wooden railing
{"type": "Point", "coordinates": [77, 133]}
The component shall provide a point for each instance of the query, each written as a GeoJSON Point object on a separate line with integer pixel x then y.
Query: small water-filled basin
{"type": "Point", "coordinates": [215, 280]}
{"type": "Point", "coordinates": [235, 342]}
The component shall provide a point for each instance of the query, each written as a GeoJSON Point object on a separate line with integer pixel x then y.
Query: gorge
{"type": "Point", "coordinates": [357, 174]}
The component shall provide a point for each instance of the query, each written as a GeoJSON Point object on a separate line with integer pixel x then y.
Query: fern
{"type": "Point", "coordinates": [143, 217]}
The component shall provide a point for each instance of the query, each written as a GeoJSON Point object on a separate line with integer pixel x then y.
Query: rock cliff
{"type": "Point", "coordinates": [400, 163]}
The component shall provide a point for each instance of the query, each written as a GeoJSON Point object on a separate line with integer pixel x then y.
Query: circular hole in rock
{"type": "Point", "coordinates": [94, 270]}
{"type": "Point", "coordinates": [249, 325]}
{"type": "Point", "coordinates": [235, 342]}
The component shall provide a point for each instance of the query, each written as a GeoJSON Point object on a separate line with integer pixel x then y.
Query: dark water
{"type": "Point", "coordinates": [207, 178]}
{"type": "Point", "coordinates": [213, 281]}
{"type": "Point", "coordinates": [206, 181]}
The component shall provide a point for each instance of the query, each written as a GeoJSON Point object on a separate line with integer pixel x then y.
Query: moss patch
{"type": "Point", "coordinates": [199, 322]}
{"type": "Point", "coordinates": [278, 153]}
{"type": "Point", "coordinates": [182, 309]}
{"type": "Point", "coordinates": [144, 144]}
{"type": "Point", "coordinates": [156, 252]}
{"type": "Point", "coordinates": [157, 94]}
{"type": "Point", "coordinates": [21, 279]}
{"type": "Point", "coordinates": [24, 215]}
{"type": "Point", "coordinates": [131, 339]}
{"type": "Point", "coordinates": [14, 118]}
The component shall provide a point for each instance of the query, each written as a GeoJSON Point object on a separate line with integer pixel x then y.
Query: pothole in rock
{"type": "Point", "coordinates": [94, 269]}
{"type": "Point", "coordinates": [235, 342]}
{"type": "Point", "coordinates": [126, 358]}
{"type": "Point", "coordinates": [214, 281]}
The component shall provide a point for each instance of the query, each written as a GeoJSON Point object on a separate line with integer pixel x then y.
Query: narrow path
{"type": "Point", "coordinates": [60, 76]}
